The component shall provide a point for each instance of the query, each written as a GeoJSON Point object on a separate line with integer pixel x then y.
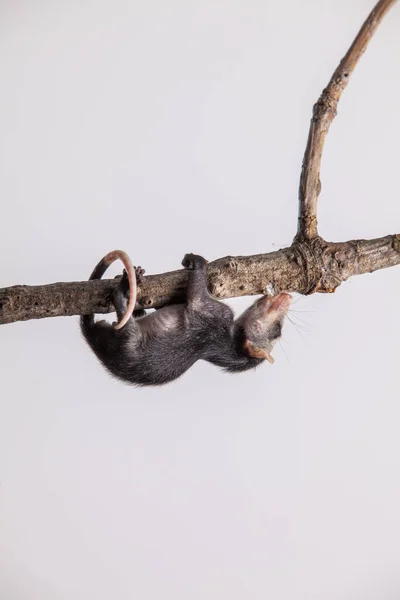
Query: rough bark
{"type": "Point", "coordinates": [309, 265]}
{"type": "Point", "coordinates": [323, 114]}
{"type": "Point", "coordinates": [304, 267]}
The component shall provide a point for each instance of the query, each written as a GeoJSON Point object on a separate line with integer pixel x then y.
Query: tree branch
{"type": "Point", "coordinates": [305, 267]}
{"type": "Point", "coordinates": [309, 265]}
{"type": "Point", "coordinates": [323, 114]}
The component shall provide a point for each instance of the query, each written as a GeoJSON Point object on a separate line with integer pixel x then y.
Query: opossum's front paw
{"type": "Point", "coordinates": [124, 283]}
{"type": "Point", "coordinates": [193, 261]}
{"type": "Point", "coordinates": [139, 274]}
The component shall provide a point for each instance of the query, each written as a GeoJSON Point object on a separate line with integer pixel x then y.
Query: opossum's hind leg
{"type": "Point", "coordinates": [124, 288]}
{"type": "Point", "coordinates": [121, 297]}
{"type": "Point", "coordinates": [120, 302]}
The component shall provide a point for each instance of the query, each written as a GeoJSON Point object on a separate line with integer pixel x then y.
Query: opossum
{"type": "Point", "coordinates": [156, 348]}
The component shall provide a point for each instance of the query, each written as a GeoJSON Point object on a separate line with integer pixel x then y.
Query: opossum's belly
{"type": "Point", "coordinates": [165, 349]}
{"type": "Point", "coordinates": [161, 322]}
{"type": "Point", "coordinates": [163, 361]}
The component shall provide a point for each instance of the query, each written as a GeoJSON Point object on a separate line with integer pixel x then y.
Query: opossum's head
{"type": "Point", "coordinates": [262, 325]}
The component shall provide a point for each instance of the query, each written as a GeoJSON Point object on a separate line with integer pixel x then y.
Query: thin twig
{"type": "Point", "coordinates": [323, 114]}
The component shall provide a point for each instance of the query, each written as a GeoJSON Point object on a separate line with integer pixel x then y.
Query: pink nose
{"type": "Point", "coordinates": [288, 297]}
{"type": "Point", "coordinates": [281, 301]}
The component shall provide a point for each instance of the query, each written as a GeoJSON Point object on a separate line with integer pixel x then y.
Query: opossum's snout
{"type": "Point", "coordinates": [279, 303]}
{"type": "Point", "coordinates": [263, 324]}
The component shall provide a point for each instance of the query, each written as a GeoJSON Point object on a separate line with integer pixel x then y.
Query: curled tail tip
{"type": "Point", "coordinates": [122, 322]}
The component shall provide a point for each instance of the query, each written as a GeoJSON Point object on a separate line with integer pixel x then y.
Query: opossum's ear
{"type": "Point", "coordinates": [257, 352]}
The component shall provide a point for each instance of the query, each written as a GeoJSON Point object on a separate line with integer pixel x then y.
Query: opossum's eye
{"type": "Point", "coordinates": [275, 331]}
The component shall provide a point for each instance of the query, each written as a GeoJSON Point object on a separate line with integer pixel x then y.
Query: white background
{"type": "Point", "coordinates": [165, 127]}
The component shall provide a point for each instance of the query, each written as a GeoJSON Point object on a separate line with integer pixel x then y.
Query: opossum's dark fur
{"type": "Point", "coordinates": [159, 347]}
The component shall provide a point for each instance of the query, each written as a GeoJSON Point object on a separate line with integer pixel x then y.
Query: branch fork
{"type": "Point", "coordinates": [309, 265]}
